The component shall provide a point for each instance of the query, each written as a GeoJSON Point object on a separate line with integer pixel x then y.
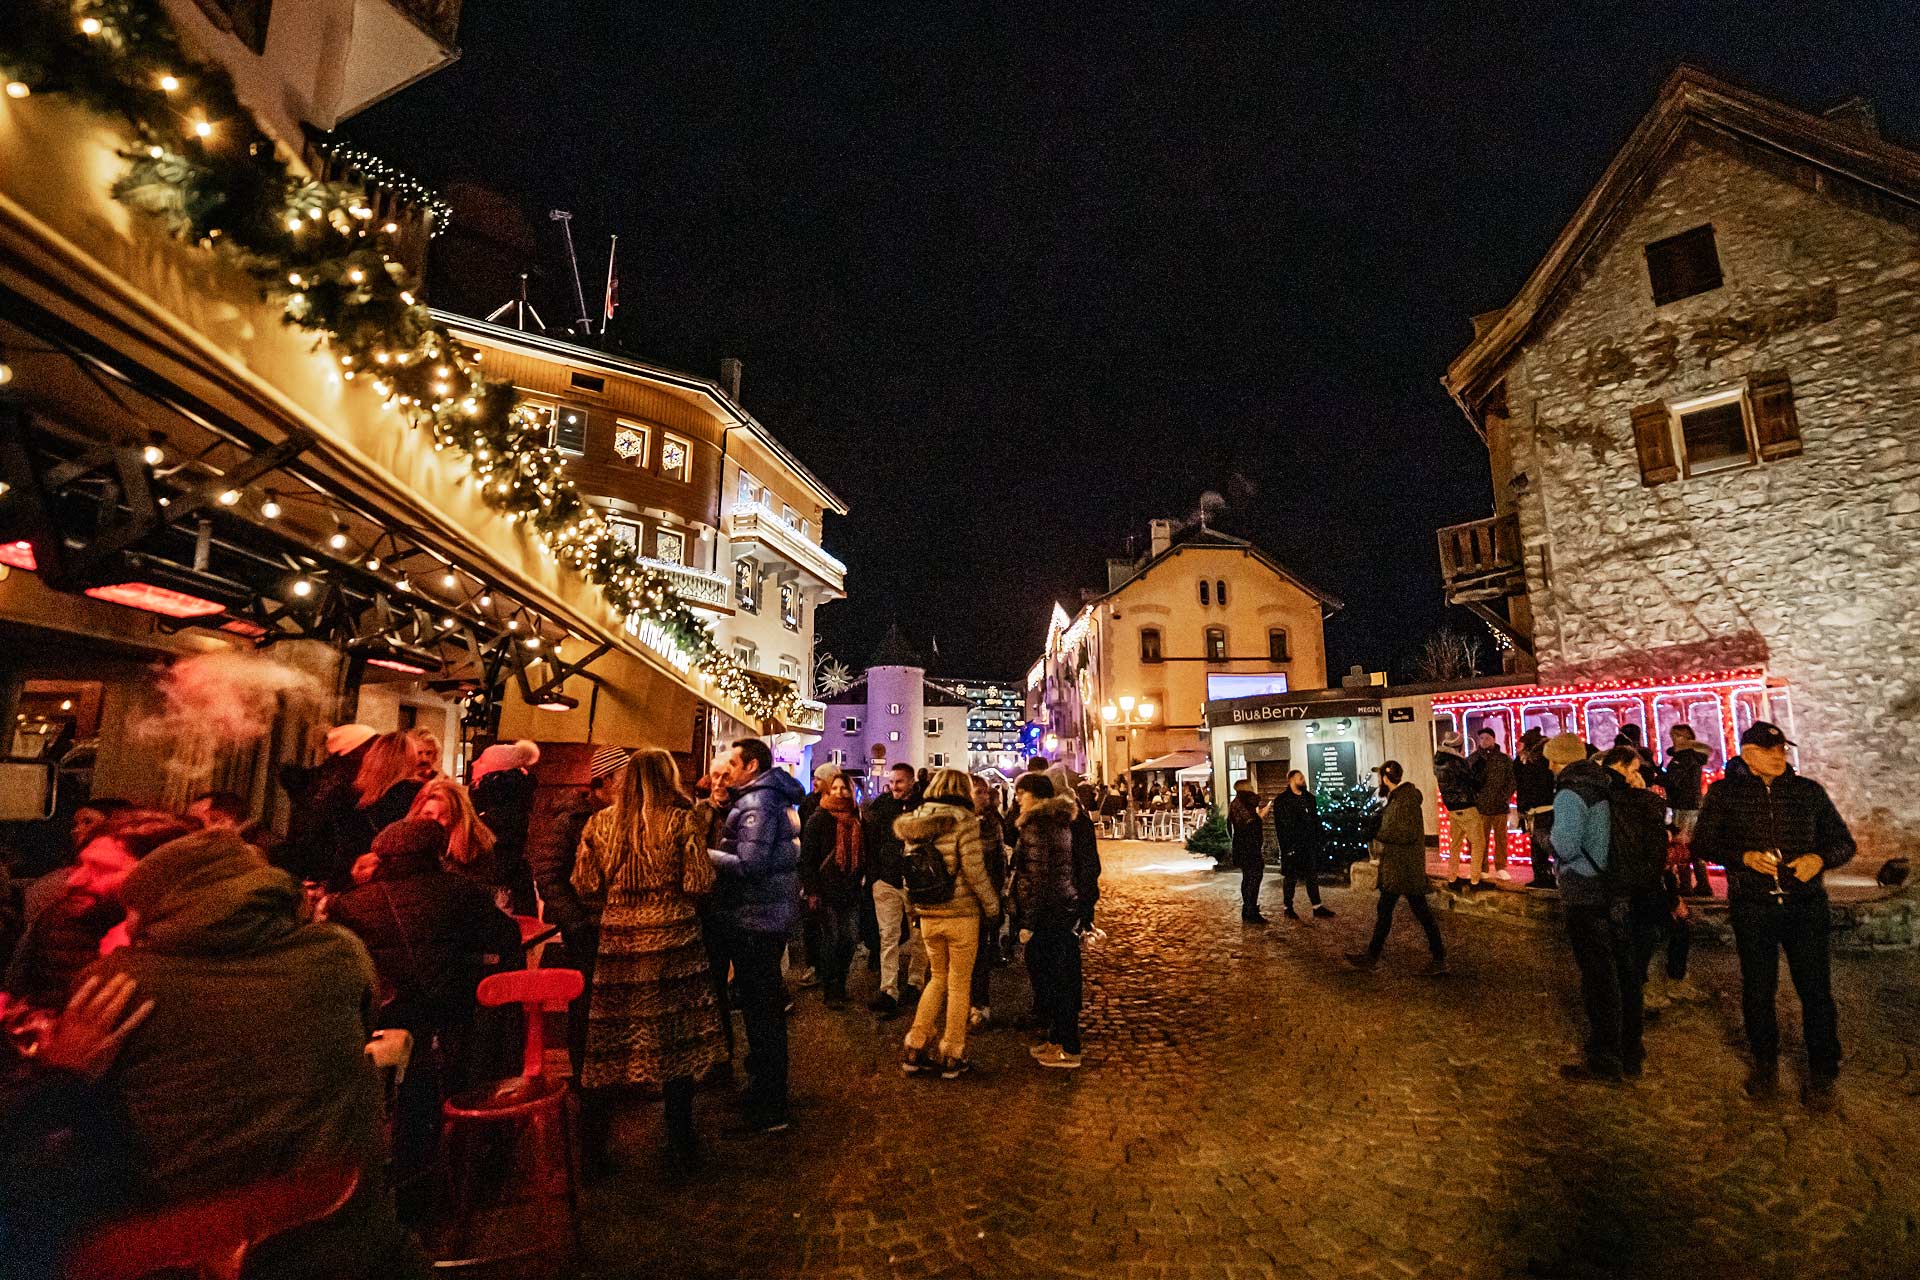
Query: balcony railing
{"type": "Point", "coordinates": [692, 585]}
{"type": "Point", "coordinates": [757, 524]}
{"type": "Point", "coordinates": [1480, 560]}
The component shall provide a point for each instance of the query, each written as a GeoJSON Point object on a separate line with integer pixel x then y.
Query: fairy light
{"type": "Point", "coordinates": [230, 497]}
{"type": "Point", "coordinates": [18, 89]}
{"type": "Point", "coordinates": [169, 84]}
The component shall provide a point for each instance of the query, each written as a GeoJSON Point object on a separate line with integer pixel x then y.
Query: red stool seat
{"type": "Point", "coordinates": [509, 1167]}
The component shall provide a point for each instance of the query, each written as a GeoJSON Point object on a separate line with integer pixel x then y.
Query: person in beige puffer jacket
{"type": "Point", "coordinates": [950, 929]}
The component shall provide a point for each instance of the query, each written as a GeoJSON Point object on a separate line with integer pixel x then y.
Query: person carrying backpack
{"type": "Point", "coordinates": [1455, 780]}
{"type": "Point", "coordinates": [1609, 843]}
{"type": "Point", "coordinates": [949, 890]}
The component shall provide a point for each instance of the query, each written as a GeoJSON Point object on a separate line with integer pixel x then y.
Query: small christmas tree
{"type": "Point", "coordinates": [1345, 813]}
{"type": "Point", "coordinates": [1211, 839]}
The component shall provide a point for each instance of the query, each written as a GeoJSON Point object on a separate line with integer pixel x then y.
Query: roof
{"type": "Point", "coordinates": [729, 408]}
{"type": "Point", "coordinates": [894, 651]}
{"type": "Point", "coordinates": [1203, 538]}
{"type": "Point", "coordinates": [936, 696]}
{"type": "Point", "coordinates": [1691, 100]}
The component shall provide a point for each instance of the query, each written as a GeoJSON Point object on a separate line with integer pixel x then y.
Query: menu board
{"type": "Point", "coordinates": [1330, 766]}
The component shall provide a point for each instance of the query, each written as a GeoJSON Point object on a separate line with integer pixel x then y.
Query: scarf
{"type": "Point", "coordinates": [849, 841]}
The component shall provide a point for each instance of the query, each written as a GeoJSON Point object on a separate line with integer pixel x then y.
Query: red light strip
{"type": "Point", "coordinates": [19, 555]}
{"type": "Point", "coordinates": [151, 599]}
{"type": "Point", "coordinates": [1686, 684]}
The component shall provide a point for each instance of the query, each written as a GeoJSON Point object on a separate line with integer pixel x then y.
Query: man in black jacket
{"type": "Point", "coordinates": [886, 875]}
{"type": "Point", "coordinates": [1686, 765]}
{"type": "Point", "coordinates": [1777, 834]}
{"type": "Point", "coordinates": [1533, 795]}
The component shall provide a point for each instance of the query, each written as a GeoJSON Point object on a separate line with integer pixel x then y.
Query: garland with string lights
{"type": "Point", "coordinates": [198, 163]}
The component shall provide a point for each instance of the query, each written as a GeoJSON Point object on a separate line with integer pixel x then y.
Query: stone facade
{"type": "Point", "coordinates": [1804, 565]}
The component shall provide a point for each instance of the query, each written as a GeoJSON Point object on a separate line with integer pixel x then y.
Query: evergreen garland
{"type": "Point", "coordinates": [198, 163]}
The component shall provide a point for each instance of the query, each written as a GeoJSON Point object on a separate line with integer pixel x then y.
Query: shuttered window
{"type": "Point", "coordinates": [1715, 437]}
{"type": "Point", "coordinates": [1653, 438]}
{"type": "Point", "coordinates": [1776, 427]}
{"type": "Point", "coordinates": [1683, 265]}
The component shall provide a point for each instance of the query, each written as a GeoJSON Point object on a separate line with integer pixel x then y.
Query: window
{"type": "Point", "coordinates": [570, 429]}
{"type": "Point", "coordinates": [837, 756]}
{"type": "Point", "coordinates": [850, 725]}
{"type": "Point", "coordinates": [745, 654]}
{"type": "Point", "coordinates": [1204, 586]}
{"type": "Point", "coordinates": [936, 725]}
{"type": "Point", "coordinates": [625, 532]}
{"type": "Point", "coordinates": [587, 382]}
{"type": "Point", "coordinates": [1719, 431]}
{"type": "Point", "coordinates": [1277, 645]}
{"type": "Point", "coordinates": [937, 760]}
{"type": "Point", "coordinates": [787, 515]}
{"type": "Point", "coordinates": [676, 459]}
{"type": "Point", "coordinates": [790, 606]}
{"type": "Point", "coordinates": [893, 736]}
{"type": "Point", "coordinates": [1150, 643]}
{"type": "Point", "coordinates": [806, 528]}
{"type": "Point", "coordinates": [630, 444]}
{"type": "Point", "coordinates": [1216, 644]}
{"type": "Point", "coordinates": [746, 490]}
{"type": "Point", "coordinates": [746, 585]}
{"type": "Point", "coordinates": [1683, 265]}
{"type": "Point", "coordinates": [670, 546]}
{"type": "Point", "coordinates": [789, 669]}
{"type": "Point", "coordinates": [1220, 591]}
{"type": "Point", "coordinates": [893, 708]}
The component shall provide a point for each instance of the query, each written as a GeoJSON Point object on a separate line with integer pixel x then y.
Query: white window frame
{"type": "Point", "coordinates": [747, 654]}
{"type": "Point", "coordinates": [789, 668]}
{"type": "Point", "coordinates": [850, 724]}
{"type": "Point", "coordinates": [639, 532]}
{"type": "Point", "coordinates": [1678, 409]}
{"type": "Point", "coordinates": [937, 760]}
{"type": "Point", "coordinates": [893, 736]}
{"type": "Point", "coordinates": [936, 724]}
{"type": "Point", "coordinates": [893, 708]}
{"type": "Point", "coordinates": [646, 443]}
{"type": "Point", "coordinates": [685, 473]}
{"type": "Point", "coordinates": [788, 517]}
{"type": "Point", "coordinates": [743, 495]}
{"type": "Point", "coordinates": [837, 756]}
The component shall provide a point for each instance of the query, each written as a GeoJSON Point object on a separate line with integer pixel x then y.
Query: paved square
{"type": "Point", "coordinates": [1251, 1108]}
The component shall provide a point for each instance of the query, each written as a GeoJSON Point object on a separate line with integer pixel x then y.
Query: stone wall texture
{"type": "Point", "coordinates": [1812, 562]}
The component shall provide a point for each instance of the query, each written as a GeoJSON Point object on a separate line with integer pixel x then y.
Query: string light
{"type": "Point", "coordinates": [230, 497]}
{"type": "Point", "coordinates": [17, 89]}
{"type": "Point", "coordinates": [271, 507]}
{"type": "Point", "coordinates": [169, 83]}
{"type": "Point", "coordinates": [152, 455]}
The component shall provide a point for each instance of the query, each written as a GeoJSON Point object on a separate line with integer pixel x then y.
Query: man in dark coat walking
{"type": "Point", "coordinates": [1778, 834]}
{"type": "Point", "coordinates": [1401, 845]}
{"type": "Point", "coordinates": [1246, 819]}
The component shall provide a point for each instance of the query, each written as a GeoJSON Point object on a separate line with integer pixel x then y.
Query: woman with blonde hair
{"type": "Point", "coordinates": [469, 840]}
{"type": "Point", "coordinates": [949, 908]}
{"type": "Point", "coordinates": [383, 790]}
{"type": "Point", "coordinates": [652, 1017]}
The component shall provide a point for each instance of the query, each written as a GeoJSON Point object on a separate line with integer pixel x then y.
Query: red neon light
{"type": "Point", "coordinates": [162, 600]}
{"type": "Point", "coordinates": [239, 627]}
{"type": "Point", "coordinates": [18, 555]}
{"type": "Point", "coordinates": [396, 664]}
{"type": "Point", "coordinates": [1678, 684]}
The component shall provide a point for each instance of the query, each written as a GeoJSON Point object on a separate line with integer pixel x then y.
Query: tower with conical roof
{"type": "Point", "coordinates": [897, 700]}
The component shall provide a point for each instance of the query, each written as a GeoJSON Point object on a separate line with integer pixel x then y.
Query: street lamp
{"type": "Point", "coordinates": [1053, 744]}
{"type": "Point", "coordinates": [1132, 713]}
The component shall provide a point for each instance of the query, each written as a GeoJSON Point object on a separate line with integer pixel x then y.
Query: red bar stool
{"type": "Point", "coordinates": [533, 932]}
{"type": "Point", "coordinates": [509, 1162]}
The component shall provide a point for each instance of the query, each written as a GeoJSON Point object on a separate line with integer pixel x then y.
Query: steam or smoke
{"type": "Point", "coordinates": [1210, 505]}
{"type": "Point", "coordinates": [215, 702]}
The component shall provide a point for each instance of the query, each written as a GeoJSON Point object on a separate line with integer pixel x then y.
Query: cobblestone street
{"type": "Point", "coordinates": [1249, 1107]}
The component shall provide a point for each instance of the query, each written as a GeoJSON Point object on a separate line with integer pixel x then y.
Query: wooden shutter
{"type": "Point", "coordinates": [1653, 437]}
{"type": "Point", "coordinates": [1776, 427]}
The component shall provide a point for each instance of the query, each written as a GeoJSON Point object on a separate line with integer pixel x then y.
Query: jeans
{"type": "Point", "coordinates": [1251, 872]}
{"type": "Point", "coordinates": [1799, 926]}
{"type": "Point", "coordinates": [1053, 965]}
{"type": "Point", "coordinates": [1383, 922]}
{"type": "Point", "coordinates": [890, 906]}
{"type": "Point", "coordinates": [763, 1006]}
{"type": "Point", "coordinates": [953, 947]}
{"type": "Point", "coordinates": [839, 931]}
{"type": "Point", "coordinates": [1604, 949]}
{"type": "Point", "coordinates": [979, 997]}
{"type": "Point", "coordinates": [1296, 867]}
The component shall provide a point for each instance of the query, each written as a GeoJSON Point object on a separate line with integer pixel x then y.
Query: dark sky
{"type": "Point", "coordinates": [1012, 284]}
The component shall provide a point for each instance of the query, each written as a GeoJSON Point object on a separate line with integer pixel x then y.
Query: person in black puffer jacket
{"type": "Point", "coordinates": [1296, 824]}
{"type": "Point", "coordinates": [1246, 819]}
{"type": "Point", "coordinates": [1043, 877]}
{"type": "Point", "coordinates": [1533, 796]}
{"type": "Point", "coordinates": [1686, 768]}
{"type": "Point", "coordinates": [1777, 834]}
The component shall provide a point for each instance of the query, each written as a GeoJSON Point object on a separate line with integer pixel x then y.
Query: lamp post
{"type": "Point", "coordinates": [1053, 745]}
{"type": "Point", "coordinates": [1132, 713]}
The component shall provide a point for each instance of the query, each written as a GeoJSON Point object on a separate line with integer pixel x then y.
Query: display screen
{"type": "Point", "coordinates": [1245, 686]}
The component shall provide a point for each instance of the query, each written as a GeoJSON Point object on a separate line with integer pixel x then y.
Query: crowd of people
{"type": "Point", "coordinates": [147, 981]}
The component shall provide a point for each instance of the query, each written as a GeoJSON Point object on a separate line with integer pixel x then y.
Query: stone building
{"type": "Point", "coordinates": [1702, 412]}
{"type": "Point", "coordinates": [1204, 615]}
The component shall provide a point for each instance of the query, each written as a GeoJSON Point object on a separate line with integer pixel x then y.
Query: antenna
{"type": "Point", "coordinates": [565, 220]}
{"type": "Point", "coordinates": [521, 309]}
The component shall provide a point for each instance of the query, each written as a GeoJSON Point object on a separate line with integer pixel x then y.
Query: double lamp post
{"type": "Point", "coordinates": [1132, 713]}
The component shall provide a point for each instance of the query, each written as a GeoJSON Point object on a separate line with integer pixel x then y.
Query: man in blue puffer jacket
{"type": "Point", "coordinates": [758, 861]}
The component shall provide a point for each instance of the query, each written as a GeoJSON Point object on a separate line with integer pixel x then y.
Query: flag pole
{"type": "Point", "coordinates": [606, 309]}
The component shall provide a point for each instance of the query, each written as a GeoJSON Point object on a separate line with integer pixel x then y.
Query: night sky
{"type": "Point", "coordinates": [1013, 284]}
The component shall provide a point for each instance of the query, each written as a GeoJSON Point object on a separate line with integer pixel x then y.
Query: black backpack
{"type": "Point", "coordinates": [929, 881]}
{"type": "Point", "coordinates": [1636, 840]}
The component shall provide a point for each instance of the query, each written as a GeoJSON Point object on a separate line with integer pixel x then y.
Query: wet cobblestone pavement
{"type": "Point", "coordinates": [1249, 1107]}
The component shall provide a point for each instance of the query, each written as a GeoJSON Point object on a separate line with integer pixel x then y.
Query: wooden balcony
{"type": "Point", "coordinates": [1480, 560]}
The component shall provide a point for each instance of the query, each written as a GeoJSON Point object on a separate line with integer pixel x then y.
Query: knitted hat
{"type": "Point", "coordinates": [825, 773]}
{"type": "Point", "coordinates": [1450, 741]}
{"type": "Point", "coordinates": [343, 738]}
{"type": "Point", "coordinates": [608, 761]}
{"type": "Point", "coordinates": [410, 839]}
{"type": "Point", "coordinates": [208, 892]}
{"type": "Point", "coordinates": [1565, 748]}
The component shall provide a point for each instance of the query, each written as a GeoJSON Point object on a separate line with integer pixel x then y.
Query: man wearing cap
{"type": "Point", "coordinates": [1777, 834]}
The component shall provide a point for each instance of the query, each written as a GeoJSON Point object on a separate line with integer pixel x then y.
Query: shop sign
{"type": "Point", "coordinates": [1331, 766]}
{"type": "Point", "coordinates": [1400, 715]}
{"type": "Point", "coordinates": [1280, 707]}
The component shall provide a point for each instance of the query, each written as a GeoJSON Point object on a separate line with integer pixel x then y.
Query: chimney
{"type": "Point", "coordinates": [1857, 114]}
{"type": "Point", "coordinates": [1159, 536]}
{"type": "Point", "coordinates": [1118, 571]}
{"type": "Point", "coordinates": [730, 378]}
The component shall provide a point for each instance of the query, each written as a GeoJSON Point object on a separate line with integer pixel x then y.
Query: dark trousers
{"type": "Point", "coordinates": [763, 1006]}
{"type": "Point", "coordinates": [1540, 842]}
{"type": "Point", "coordinates": [870, 927]}
{"type": "Point", "coordinates": [1761, 930]}
{"type": "Point", "coordinates": [1297, 867]}
{"type": "Point", "coordinates": [839, 930]}
{"type": "Point", "coordinates": [713, 936]}
{"type": "Point", "coordinates": [1383, 923]}
{"type": "Point", "coordinates": [678, 1094]}
{"type": "Point", "coordinates": [983, 961]}
{"type": "Point", "coordinates": [1604, 949]}
{"type": "Point", "coordinates": [1053, 965]}
{"type": "Point", "coordinates": [1251, 872]}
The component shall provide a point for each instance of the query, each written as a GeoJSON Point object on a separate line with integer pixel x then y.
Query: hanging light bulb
{"type": "Point", "coordinates": [449, 580]}
{"type": "Point", "coordinates": [201, 129]}
{"type": "Point", "coordinates": [169, 83]}
{"type": "Point", "coordinates": [339, 539]}
{"type": "Point", "coordinates": [90, 26]}
{"type": "Point", "coordinates": [533, 642]}
{"type": "Point", "coordinates": [403, 583]}
{"type": "Point", "coordinates": [303, 587]}
{"type": "Point", "coordinates": [486, 600]}
{"type": "Point", "coordinates": [271, 507]}
{"type": "Point", "coordinates": [152, 455]}
{"type": "Point", "coordinates": [513, 624]}
{"type": "Point", "coordinates": [230, 497]}
{"type": "Point", "coordinates": [17, 89]}
{"type": "Point", "coordinates": [373, 564]}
